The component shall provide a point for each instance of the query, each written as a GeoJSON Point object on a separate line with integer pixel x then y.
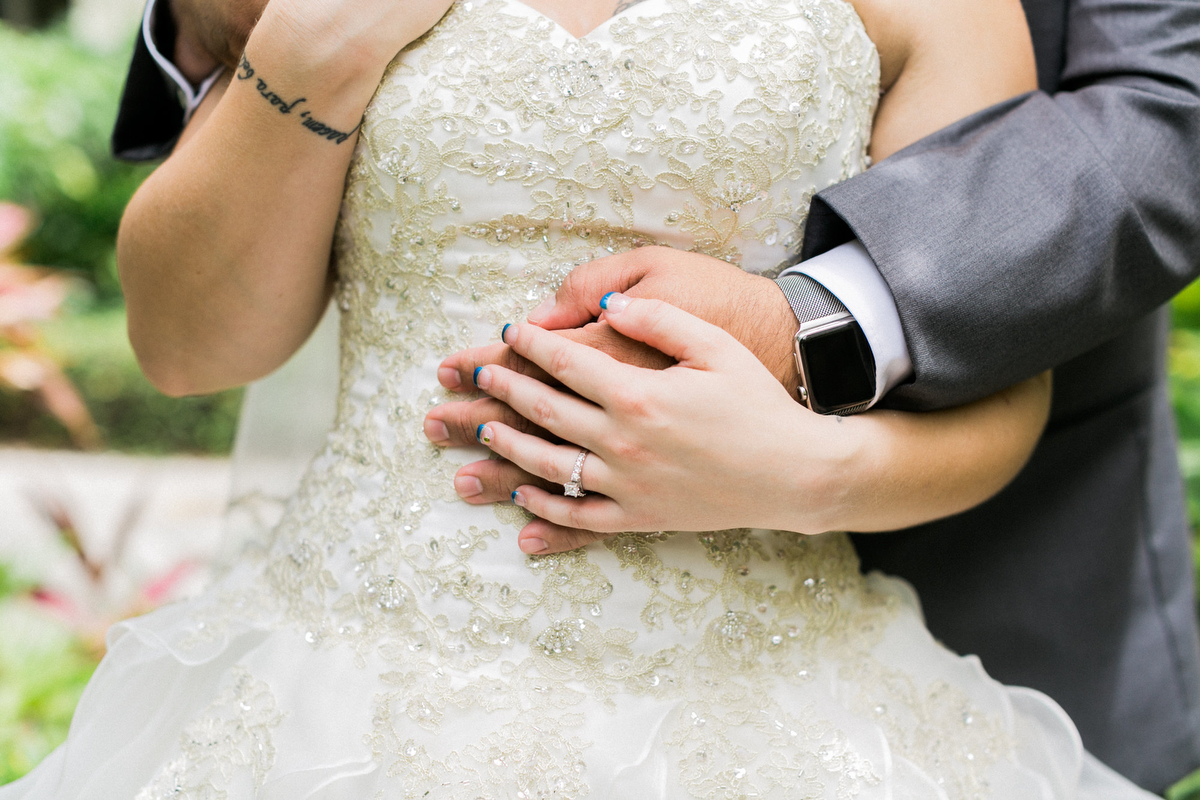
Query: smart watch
{"type": "Point", "coordinates": [836, 366]}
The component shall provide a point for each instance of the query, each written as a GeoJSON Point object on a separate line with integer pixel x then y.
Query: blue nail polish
{"type": "Point", "coordinates": [479, 434]}
{"type": "Point", "coordinates": [504, 331]}
{"type": "Point", "coordinates": [475, 378]}
{"type": "Point", "coordinates": [514, 496]}
{"type": "Point", "coordinates": [604, 300]}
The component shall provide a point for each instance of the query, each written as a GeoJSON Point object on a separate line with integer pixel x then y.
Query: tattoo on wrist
{"type": "Point", "coordinates": [246, 72]}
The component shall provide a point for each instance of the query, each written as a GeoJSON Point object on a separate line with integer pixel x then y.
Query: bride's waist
{"type": "Point", "coordinates": [412, 533]}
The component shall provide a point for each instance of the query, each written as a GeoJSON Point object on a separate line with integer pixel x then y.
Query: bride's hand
{"type": "Point", "coordinates": [368, 33]}
{"type": "Point", "coordinates": [454, 424]}
{"type": "Point", "coordinates": [334, 51]}
{"type": "Point", "coordinates": [680, 449]}
{"type": "Point", "coordinates": [715, 442]}
{"type": "Point", "coordinates": [750, 307]}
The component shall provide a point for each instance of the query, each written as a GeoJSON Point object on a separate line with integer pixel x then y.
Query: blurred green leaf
{"type": "Point", "coordinates": [58, 100]}
{"type": "Point", "coordinates": [1187, 306]}
{"type": "Point", "coordinates": [1186, 789]}
{"type": "Point", "coordinates": [43, 670]}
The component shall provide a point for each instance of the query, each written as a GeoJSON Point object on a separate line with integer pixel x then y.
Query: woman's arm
{"type": "Point", "coordinates": [941, 61]}
{"type": "Point", "coordinates": [224, 251]}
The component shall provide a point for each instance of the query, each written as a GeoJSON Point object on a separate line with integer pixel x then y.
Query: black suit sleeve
{"type": "Point", "coordinates": [150, 116]}
{"type": "Point", "coordinates": [1033, 231]}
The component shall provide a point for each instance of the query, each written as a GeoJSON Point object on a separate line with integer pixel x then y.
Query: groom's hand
{"type": "Point", "coordinates": [749, 307]}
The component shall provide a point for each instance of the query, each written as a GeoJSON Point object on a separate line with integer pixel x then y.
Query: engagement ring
{"type": "Point", "coordinates": [574, 487]}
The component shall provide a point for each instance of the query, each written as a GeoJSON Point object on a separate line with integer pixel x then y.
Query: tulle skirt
{"type": "Point", "coordinates": [258, 712]}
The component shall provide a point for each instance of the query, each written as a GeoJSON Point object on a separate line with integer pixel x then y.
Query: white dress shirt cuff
{"type": "Point", "coordinates": [850, 274]}
{"type": "Point", "coordinates": [190, 96]}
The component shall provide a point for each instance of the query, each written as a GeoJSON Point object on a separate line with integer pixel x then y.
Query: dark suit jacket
{"type": "Point", "coordinates": [1045, 232]}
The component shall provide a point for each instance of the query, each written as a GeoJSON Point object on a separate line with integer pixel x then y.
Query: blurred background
{"type": "Point", "coordinates": [111, 494]}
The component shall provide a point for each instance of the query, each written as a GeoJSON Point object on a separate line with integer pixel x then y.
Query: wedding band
{"type": "Point", "coordinates": [574, 487]}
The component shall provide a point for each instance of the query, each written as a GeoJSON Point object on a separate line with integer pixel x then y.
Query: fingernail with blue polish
{"type": "Point", "coordinates": [504, 332]}
{"type": "Point", "coordinates": [517, 499]}
{"type": "Point", "coordinates": [475, 376]}
{"type": "Point", "coordinates": [479, 434]}
{"type": "Point", "coordinates": [484, 434]}
{"type": "Point", "coordinates": [614, 302]}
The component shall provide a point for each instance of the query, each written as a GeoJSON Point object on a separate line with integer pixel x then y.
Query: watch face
{"type": "Point", "coordinates": [839, 368]}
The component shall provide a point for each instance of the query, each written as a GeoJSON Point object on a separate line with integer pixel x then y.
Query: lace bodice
{"type": "Point", "coordinates": [390, 641]}
{"type": "Point", "coordinates": [499, 152]}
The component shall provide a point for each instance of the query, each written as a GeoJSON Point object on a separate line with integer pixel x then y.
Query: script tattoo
{"type": "Point", "coordinates": [246, 72]}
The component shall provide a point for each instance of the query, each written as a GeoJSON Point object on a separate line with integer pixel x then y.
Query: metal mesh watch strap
{"type": "Point", "coordinates": [809, 300]}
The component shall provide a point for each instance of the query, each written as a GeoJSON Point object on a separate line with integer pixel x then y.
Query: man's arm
{"type": "Point", "coordinates": [1032, 231]}
{"type": "Point", "coordinates": [172, 69]}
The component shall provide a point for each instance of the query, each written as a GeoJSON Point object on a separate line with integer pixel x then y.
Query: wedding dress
{"type": "Point", "coordinates": [390, 641]}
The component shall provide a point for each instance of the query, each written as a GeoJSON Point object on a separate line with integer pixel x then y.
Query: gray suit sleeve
{"type": "Point", "coordinates": [1029, 233]}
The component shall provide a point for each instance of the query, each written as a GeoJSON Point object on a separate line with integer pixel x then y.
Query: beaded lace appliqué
{"type": "Point", "coordinates": [233, 733]}
{"type": "Point", "coordinates": [498, 153]}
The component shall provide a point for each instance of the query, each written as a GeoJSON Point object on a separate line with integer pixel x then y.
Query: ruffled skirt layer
{"type": "Point", "coordinates": [259, 712]}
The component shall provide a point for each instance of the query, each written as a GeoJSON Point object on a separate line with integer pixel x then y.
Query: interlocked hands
{"type": "Point", "coordinates": [667, 402]}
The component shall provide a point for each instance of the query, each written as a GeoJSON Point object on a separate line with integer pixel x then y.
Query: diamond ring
{"type": "Point", "coordinates": [574, 487]}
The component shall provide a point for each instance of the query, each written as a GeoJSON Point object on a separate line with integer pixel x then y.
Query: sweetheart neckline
{"type": "Point", "coordinates": [587, 36]}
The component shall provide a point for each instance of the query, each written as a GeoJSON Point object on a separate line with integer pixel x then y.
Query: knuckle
{"type": "Point", "coordinates": [476, 412]}
{"type": "Point", "coordinates": [541, 412]}
{"type": "Point", "coordinates": [519, 364]}
{"type": "Point", "coordinates": [560, 361]}
{"type": "Point", "coordinates": [627, 451]}
{"type": "Point", "coordinates": [459, 424]}
{"type": "Point", "coordinates": [519, 423]}
{"type": "Point", "coordinates": [629, 402]}
{"type": "Point", "coordinates": [571, 284]}
{"type": "Point", "coordinates": [510, 476]}
{"type": "Point", "coordinates": [576, 518]}
{"type": "Point", "coordinates": [547, 466]}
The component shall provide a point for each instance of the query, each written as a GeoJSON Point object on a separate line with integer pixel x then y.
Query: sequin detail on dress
{"type": "Point", "coordinates": [498, 153]}
{"type": "Point", "coordinates": [390, 641]}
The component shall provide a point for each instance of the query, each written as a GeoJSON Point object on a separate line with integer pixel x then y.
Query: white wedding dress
{"type": "Point", "coordinates": [392, 642]}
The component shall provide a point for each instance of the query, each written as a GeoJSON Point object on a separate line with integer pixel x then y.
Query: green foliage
{"type": "Point", "coordinates": [57, 105]}
{"type": "Point", "coordinates": [43, 669]}
{"type": "Point", "coordinates": [1186, 789]}
{"type": "Point", "coordinates": [132, 415]}
{"type": "Point", "coordinates": [10, 584]}
{"type": "Point", "coordinates": [1185, 394]}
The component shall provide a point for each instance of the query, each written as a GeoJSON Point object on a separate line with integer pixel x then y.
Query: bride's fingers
{"type": "Point", "coordinates": [554, 463]}
{"type": "Point", "coordinates": [683, 336]}
{"type": "Point", "coordinates": [456, 372]}
{"type": "Point", "coordinates": [492, 481]}
{"type": "Point", "coordinates": [563, 415]}
{"type": "Point", "coordinates": [597, 514]}
{"type": "Point", "coordinates": [582, 369]}
{"type": "Point", "coordinates": [454, 424]}
{"type": "Point", "coordinates": [542, 537]}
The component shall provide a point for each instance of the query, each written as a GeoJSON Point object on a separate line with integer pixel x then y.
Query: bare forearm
{"type": "Point", "coordinates": [224, 251]}
{"type": "Point", "coordinates": [915, 468]}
